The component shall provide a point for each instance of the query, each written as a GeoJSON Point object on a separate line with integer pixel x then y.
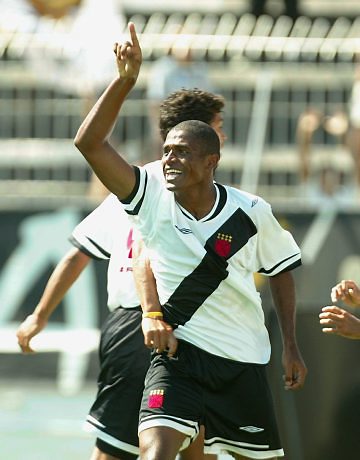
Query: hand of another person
{"type": "Point", "coordinates": [348, 292]}
{"type": "Point", "coordinates": [338, 321]}
{"type": "Point", "coordinates": [30, 327]}
{"type": "Point", "coordinates": [294, 368]}
{"type": "Point", "coordinates": [129, 56]}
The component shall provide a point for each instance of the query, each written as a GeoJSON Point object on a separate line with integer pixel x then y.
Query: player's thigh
{"type": "Point", "coordinates": [196, 449]}
{"type": "Point", "coordinates": [160, 442]}
{"type": "Point", "coordinates": [243, 414]}
{"type": "Point", "coordinates": [171, 397]}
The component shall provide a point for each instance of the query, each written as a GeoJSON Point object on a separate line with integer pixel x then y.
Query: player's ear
{"type": "Point", "coordinates": [213, 160]}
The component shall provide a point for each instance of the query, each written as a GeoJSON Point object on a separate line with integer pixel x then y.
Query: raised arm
{"type": "Point", "coordinates": [62, 278]}
{"type": "Point", "coordinates": [283, 293]}
{"type": "Point", "coordinates": [92, 137]}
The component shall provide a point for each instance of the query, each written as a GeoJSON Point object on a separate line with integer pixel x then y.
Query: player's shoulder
{"type": "Point", "coordinates": [154, 170]}
{"type": "Point", "coordinates": [153, 167]}
{"type": "Point", "coordinates": [249, 202]}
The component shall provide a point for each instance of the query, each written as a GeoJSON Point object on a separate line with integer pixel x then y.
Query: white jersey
{"type": "Point", "coordinates": [106, 233]}
{"type": "Point", "coordinates": [204, 268]}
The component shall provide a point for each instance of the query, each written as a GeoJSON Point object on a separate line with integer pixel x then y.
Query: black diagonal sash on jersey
{"type": "Point", "coordinates": [206, 277]}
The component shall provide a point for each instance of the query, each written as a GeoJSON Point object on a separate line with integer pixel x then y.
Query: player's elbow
{"type": "Point", "coordinates": [83, 143]}
{"type": "Point", "coordinates": [86, 143]}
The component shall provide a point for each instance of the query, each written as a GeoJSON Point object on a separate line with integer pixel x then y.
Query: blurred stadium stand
{"type": "Point", "coordinates": [270, 69]}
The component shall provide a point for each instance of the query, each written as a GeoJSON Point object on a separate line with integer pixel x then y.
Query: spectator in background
{"type": "Point", "coordinates": [291, 8]}
{"type": "Point", "coordinates": [322, 179]}
{"type": "Point", "coordinates": [54, 8]}
{"type": "Point", "coordinates": [354, 128]}
{"type": "Point", "coordinates": [335, 320]}
{"type": "Point", "coordinates": [344, 127]}
{"type": "Point", "coordinates": [170, 73]}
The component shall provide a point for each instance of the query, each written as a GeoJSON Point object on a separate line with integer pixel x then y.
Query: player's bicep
{"type": "Point", "coordinates": [113, 171]}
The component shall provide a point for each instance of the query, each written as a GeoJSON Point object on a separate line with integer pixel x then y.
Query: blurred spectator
{"type": "Point", "coordinates": [354, 118]}
{"type": "Point", "coordinates": [322, 178]}
{"type": "Point", "coordinates": [169, 73]}
{"type": "Point", "coordinates": [54, 8]}
{"type": "Point", "coordinates": [291, 8]}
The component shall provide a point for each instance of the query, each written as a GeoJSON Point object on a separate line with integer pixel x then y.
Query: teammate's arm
{"type": "Point", "coordinates": [348, 292]}
{"type": "Point", "coordinates": [157, 333]}
{"type": "Point", "coordinates": [283, 293]}
{"type": "Point", "coordinates": [92, 137]}
{"type": "Point", "coordinates": [62, 278]}
{"type": "Point", "coordinates": [337, 321]}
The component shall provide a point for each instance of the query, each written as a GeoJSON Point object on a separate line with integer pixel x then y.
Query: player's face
{"type": "Point", "coordinates": [217, 125]}
{"type": "Point", "coordinates": [185, 165]}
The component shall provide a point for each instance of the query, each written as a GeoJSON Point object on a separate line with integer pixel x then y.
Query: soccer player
{"type": "Point", "coordinates": [205, 241]}
{"type": "Point", "coordinates": [106, 234]}
{"type": "Point", "coordinates": [336, 320]}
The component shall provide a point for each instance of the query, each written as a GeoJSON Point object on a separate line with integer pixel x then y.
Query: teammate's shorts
{"type": "Point", "coordinates": [231, 399]}
{"type": "Point", "coordinates": [124, 361]}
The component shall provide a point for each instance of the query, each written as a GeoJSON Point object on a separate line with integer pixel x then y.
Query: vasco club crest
{"type": "Point", "coordinates": [223, 244]}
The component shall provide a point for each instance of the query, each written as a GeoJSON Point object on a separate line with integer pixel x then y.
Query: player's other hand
{"type": "Point", "coordinates": [295, 370]}
{"type": "Point", "coordinates": [30, 327]}
{"type": "Point", "coordinates": [159, 336]}
{"type": "Point", "coordinates": [128, 55]}
{"type": "Point", "coordinates": [346, 291]}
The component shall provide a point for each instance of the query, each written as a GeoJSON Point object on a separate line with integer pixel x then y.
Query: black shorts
{"type": "Point", "coordinates": [231, 399]}
{"type": "Point", "coordinates": [124, 361]}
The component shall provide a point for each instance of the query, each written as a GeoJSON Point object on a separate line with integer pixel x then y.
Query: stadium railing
{"type": "Point", "coordinates": [311, 63]}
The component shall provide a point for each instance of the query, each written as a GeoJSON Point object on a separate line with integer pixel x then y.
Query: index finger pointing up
{"type": "Point", "coordinates": [133, 35]}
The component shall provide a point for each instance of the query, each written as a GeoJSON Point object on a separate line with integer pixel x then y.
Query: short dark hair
{"type": "Point", "coordinates": [202, 133]}
{"type": "Point", "coordinates": [188, 104]}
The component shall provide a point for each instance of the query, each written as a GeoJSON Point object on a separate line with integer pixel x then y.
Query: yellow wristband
{"type": "Point", "coordinates": [153, 314]}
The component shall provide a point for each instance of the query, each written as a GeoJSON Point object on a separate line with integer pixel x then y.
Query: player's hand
{"type": "Point", "coordinates": [348, 292]}
{"type": "Point", "coordinates": [335, 320]}
{"type": "Point", "coordinates": [159, 336]}
{"type": "Point", "coordinates": [128, 55]}
{"type": "Point", "coordinates": [30, 327]}
{"type": "Point", "coordinates": [294, 369]}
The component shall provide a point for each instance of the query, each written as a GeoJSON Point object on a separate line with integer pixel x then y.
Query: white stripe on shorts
{"type": "Point", "coordinates": [187, 427]}
{"type": "Point", "coordinates": [257, 451]}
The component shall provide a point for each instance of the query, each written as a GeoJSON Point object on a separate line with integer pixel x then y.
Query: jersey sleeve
{"type": "Point", "coordinates": [142, 206]}
{"type": "Point", "coordinates": [94, 235]}
{"type": "Point", "coordinates": [277, 250]}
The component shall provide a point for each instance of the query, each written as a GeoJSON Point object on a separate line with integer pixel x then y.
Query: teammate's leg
{"type": "Point", "coordinates": [124, 361]}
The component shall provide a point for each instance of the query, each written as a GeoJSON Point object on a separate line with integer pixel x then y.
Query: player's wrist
{"type": "Point", "coordinates": [153, 315]}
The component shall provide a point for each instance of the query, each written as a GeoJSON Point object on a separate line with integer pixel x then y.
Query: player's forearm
{"type": "Point", "coordinates": [98, 124]}
{"type": "Point", "coordinates": [283, 293]}
{"type": "Point", "coordinates": [112, 169]}
{"type": "Point", "coordinates": [62, 278]}
{"type": "Point", "coordinates": [144, 279]}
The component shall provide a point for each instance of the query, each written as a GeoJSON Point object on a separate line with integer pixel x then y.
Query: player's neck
{"type": "Point", "coordinates": [198, 203]}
